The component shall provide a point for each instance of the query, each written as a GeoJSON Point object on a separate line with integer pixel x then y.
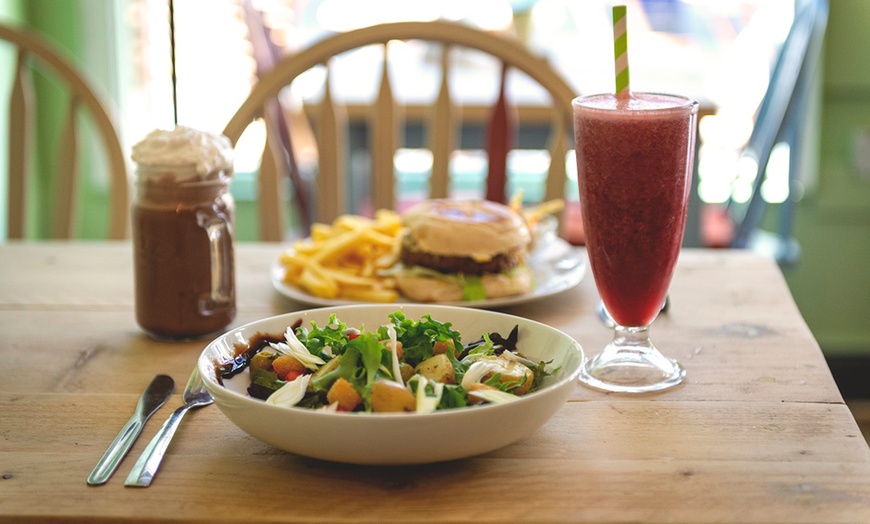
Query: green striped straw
{"type": "Point", "coordinates": [620, 51]}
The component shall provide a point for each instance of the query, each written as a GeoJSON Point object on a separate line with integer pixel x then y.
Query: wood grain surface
{"type": "Point", "coordinates": [759, 432]}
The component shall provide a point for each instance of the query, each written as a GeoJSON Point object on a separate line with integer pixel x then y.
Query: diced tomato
{"type": "Point", "coordinates": [292, 375]}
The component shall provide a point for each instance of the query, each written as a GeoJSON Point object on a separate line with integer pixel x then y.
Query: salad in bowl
{"type": "Point", "coordinates": [391, 384]}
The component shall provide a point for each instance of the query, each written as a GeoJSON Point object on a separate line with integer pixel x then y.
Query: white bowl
{"type": "Point", "coordinates": [400, 438]}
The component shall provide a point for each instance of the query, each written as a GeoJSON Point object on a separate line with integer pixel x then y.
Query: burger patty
{"type": "Point", "coordinates": [412, 256]}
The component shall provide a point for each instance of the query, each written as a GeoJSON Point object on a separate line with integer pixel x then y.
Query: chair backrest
{"type": "Point", "coordinates": [266, 54]}
{"type": "Point", "coordinates": [35, 52]}
{"type": "Point", "coordinates": [781, 118]}
{"type": "Point", "coordinates": [384, 119]}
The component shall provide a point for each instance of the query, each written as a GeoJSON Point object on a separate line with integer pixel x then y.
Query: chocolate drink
{"type": "Point", "coordinates": [178, 294]}
{"type": "Point", "coordinates": [182, 218]}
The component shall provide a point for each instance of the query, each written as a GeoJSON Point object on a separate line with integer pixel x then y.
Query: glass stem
{"type": "Point", "coordinates": [632, 338]}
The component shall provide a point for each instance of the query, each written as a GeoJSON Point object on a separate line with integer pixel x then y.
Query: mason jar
{"type": "Point", "coordinates": [183, 251]}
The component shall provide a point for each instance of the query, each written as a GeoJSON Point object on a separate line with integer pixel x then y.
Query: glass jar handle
{"type": "Point", "coordinates": [220, 242]}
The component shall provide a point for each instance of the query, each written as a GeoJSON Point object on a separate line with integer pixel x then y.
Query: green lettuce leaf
{"type": "Point", "coordinates": [453, 397]}
{"type": "Point", "coordinates": [472, 288]}
{"type": "Point", "coordinates": [371, 352]}
{"type": "Point", "coordinates": [317, 339]}
{"type": "Point", "coordinates": [264, 383]}
{"type": "Point", "coordinates": [418, 338]}
{"type": "Point", "coordinates": [348, 364]}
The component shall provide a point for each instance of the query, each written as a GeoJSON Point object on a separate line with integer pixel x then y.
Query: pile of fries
{"type": "Point", "coordinates": [345, 259]}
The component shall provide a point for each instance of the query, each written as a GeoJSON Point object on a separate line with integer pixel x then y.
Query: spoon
{"type": "Point", "coordinates": [143, 472]}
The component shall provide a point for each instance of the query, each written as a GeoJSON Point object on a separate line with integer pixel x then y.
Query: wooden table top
{"type": "Point", "coordinates": [758, 433]}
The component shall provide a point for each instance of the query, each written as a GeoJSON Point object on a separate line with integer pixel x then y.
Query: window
{"type": "Point", "coordinates": [719, 51]}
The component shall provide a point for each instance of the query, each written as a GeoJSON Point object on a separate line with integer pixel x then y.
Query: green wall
{"type": "Point", "coordinates": [831, 284]}
{"type": "Point", "coordinates": [60, 23]}
{"type": "Point", "coordinates": [10, 11]}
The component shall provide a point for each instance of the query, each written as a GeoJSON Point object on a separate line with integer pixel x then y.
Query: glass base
{"type": "Point", "coordinates": [631, 364]}
{"type": "Point", "coordinates": [183, 338]}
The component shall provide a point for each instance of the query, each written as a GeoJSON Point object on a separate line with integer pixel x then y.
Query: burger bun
{"type": "Point", "coordinates": [471, 228]}
{"type": "Point", "coordinates": [425, 288]}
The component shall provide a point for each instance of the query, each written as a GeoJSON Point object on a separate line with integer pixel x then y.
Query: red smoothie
{"type": "Point", "coordinates": [635, 161]}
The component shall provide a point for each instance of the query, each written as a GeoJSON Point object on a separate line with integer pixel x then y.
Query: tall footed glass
{"type": "Point", "coordinates": [635, 158]}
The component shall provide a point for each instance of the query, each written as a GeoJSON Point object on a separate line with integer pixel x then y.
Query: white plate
{"type": "Point", "coordinates": [400, 438]}
{"type": "Point", "coordinates": [556, 266]}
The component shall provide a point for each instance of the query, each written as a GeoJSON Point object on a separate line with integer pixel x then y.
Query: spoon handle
{"type": "Point", "coordinates": [149, 461]}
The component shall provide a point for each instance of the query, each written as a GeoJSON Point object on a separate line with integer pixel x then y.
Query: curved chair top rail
{"type": "Point", "coordinates": [511, 52]}
{"type": "Point", "coordinates": [83, 92]}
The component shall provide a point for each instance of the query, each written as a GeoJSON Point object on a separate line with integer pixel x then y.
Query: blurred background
{"type": "Point", "coordinates": [721, 52]}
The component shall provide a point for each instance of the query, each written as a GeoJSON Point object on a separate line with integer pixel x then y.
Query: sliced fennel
{"type": "Point", "coordinates": [494, 396]}
{"type": "Point", "coordinates": [510, 355]}
{"type": "Point", "coordinates": [477, 371]}
{"type": "Point", "coordinates": [296, 349]}
{"type": "Point", "coordinates": [427, 403]}
{"type": "Point", "coordinates": [394, 342]}
{"type": "Point", "coordinates": [290, 393]}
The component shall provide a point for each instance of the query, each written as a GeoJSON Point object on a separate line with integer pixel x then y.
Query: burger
{"type": "Point", "coordinates": [456, 250]}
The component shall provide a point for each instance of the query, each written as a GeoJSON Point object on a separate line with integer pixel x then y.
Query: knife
{"type": "Point", "coordinates": [158, 392]}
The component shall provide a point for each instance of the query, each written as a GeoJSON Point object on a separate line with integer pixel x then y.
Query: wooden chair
{"type": "Point", "coordinates": [780, 118]}
{"type": "Point", "coordinates": [266, 54]}
{"type": "Point", "coordinates": [33, 52]}
{"type": "Point", "coordinates": [384, 120]}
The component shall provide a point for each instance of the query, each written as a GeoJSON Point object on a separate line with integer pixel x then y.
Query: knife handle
{"type": "Point", "coordinates": [116, 452]}
{"type": "Point", "coordinates": [146, 467]}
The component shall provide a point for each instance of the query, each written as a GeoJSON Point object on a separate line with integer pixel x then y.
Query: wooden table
{"type": "Point", "coordinates": [759, 433]}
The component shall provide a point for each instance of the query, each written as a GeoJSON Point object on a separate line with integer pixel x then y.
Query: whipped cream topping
{"type": "Point", "coordinates": [185, 146]}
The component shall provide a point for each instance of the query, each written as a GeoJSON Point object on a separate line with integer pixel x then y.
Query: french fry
{"type": "Point", "coordinates": [349, 279]}
{"type": "Point", "coordinates": [370, 294]}
{"type": "Point", "coordinates": [345, 259]}
{"type": "Point", "coordinates": [334, 248]}
{"type": "Point", "coordinates": [534, 214]}
{"type": "Point", "coordinates": [315, 284]}
{"type": "Point", "coordinates": [380, 239]}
